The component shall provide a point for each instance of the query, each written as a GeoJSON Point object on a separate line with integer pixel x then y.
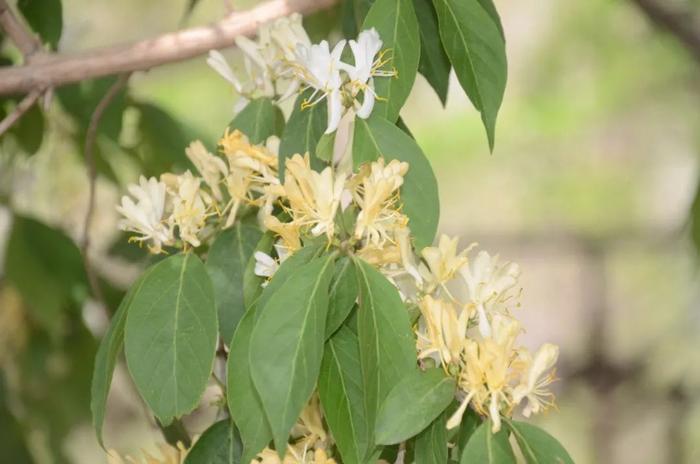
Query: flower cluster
{"type": "Point", "coordinates": [283, 61]}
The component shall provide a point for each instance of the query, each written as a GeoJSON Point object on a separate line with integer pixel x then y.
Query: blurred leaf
{"type": "Point", "coordinates": [387, 347]}
{"type": "Point", "coordinates": [260, 119]}
{"type": "Point", "coordinates": [286, 367]}
{"type": "Point", "coordinates": [226, 263]}
{"type": "Point", "coordinates": [106, 360]}
{"type": "Point", "coordinates": [476, 49]}
{"type": "Point", "coordinates": [396, 22]}
{"type": "Point", "coordinates": [434, 64]}
{"type": "Point", "coordinates": [12, 441]}
{"type": "Point", "coordinates": [163, 141]}
{"type": "Point", "coordinates": [340, 391]}
{"type": "Point", "coordinates": [46, 267]}
{"type": "Point", "coordinates": [342, 294]}
{"type": "Point", "coordinates": [170, 336]}
{"type": "Point", "coordinates": [219, 444]}
{"type": "Point", "coordinates": [303, 132]}
{"type": "Point", "coordinates": [431, 443]}
{"type": "Point", "coordinates": [353, 15]}
{"type": "Point", "coordinates": [537, 446]}
{"type": "Point", "coordinates": [81, 99]}
{"type": "Point", "coordinates": [488, 448]}
{"type": "Point", "coordinates": [45, 17]}
{"type": "Point", "coordinates": [419, 193]}
{"type": "Point", "coordinates": [413, 403]}
{"type": "Point", "coordinates": [189, 9]}
{"type": "Point", "coordinates": [29, 130]}
{"type": "Point", "coordinates": [321, 24]}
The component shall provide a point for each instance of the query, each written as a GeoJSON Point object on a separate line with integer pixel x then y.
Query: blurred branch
{"type": "Point", "coordinates": [680, 22]}
{"type": "Point", "coordinates": [54, 70]}
{"type": "Point", "coordinates": [26, 42]}
{"type": "Point", "coordinates": [90, 139]}
{"type": "Point", "coordinates": [19, 110]}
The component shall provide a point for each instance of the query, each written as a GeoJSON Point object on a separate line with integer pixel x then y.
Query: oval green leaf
{"type": "Point", "coordinates": [434, 64]}
{"type": "Point", "coordinates": [431, 443]}
{"type": "Point", "coordinates": [340, 391]}
{"type": "Point", "coordinates": [286, 346]}
{"type": "Point", "coordinates": [485, 447]}
{"type": "Point", "coordinates": [259, 119]}
{"type": "Point", "coordinates": [538, 446]}
{"type": "Point", "coordinates": [45, 18]}
{"type": "Point", "coordinates": [396, 22]}
{"type": "Point", "coordinates": [476, 48]}
{"type": "Point", "coordinates": [226, 263]}
{"type": "Point", "coordinates": [413, 404]}
{"type": "Point", "coordinates": [376, 137]}
{"type": "Point", "coordinates": [219, 444]}
{"type": "Point", "coordinates": [170, 336]}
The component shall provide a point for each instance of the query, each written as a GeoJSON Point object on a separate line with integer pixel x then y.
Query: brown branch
{"type": "Point", "coordinates": [55, 70]}
{"type": "Point", "coordinates": [681, 23]}
{"type": "Point", "coordinates": [90, 138]}
{"type": "Point", "coordinates": [26, 42]}
{"type": "Point", "coordinates": [19, 110]}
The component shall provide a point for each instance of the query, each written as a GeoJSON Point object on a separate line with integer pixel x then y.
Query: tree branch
{"type": "Point", "coordinates": [19, 110]}
{"type": "Point", "coordinates": [26, 42]}
{"type": "Point", "coordinates": [680, 23]}
{"type": "Point", "coordinates": [59, 69]}
{"type": "Point", "coordinates": [90, 138]}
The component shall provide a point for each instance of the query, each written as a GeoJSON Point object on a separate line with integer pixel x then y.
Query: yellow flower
{"type": "Point", "coordinates": [190, 206]}
{"type": "Point", "coordinates": [444, 332]}
{"type": "Point", "coordinates": [313, 197]}
{"type": "Point", "coordinates": [442, 262]}
{"type": "Point", "coordinates": [287, 231]}
{"type": "Point", "coordinates": [377, 195]}
{"type": "Point", "coordinates": [539, 373]}
{"type": "Point", "coordinates": [212, 168]}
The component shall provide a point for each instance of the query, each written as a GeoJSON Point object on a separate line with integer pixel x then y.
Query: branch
{"type": "Point", "coordinates": [90, 138]}
{"type": "Point", "coordinates": [681, 24]}
{"type": "Point", "coordinates": [55, 70]}
{"type": "Point", "coordinates": [26, 42]}
{"type": "Point", "coordinates": [19, 110]}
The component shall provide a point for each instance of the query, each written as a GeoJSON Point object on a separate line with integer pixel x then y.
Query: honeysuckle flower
{"type": "Point", "coordinates": [489, 283]}
{"type": "Point", "coordinates": [287, 33]}
{"type": "Point", "coordinates": [265, 265]}
{"type": "Point", "coordinates": [319, 68]}
{"type": "Point", "coordinates": [313, 197]}
{"type": "Point", "coordinates": [540, 373]}
{"type": "Point", "coordinates": [146, 216]}
{"type": "Point", "coordinates": [442, 262]}
{"type": "Point", "coordinates": [210, 167]}
{"type": "Point", "coordinates": [288, 233]}
{"type": "Point", "coordinates": [190, 206]}
{"type": "Point", "coordinates": [365, 67]}
{"type": "Point", "coordinates": [377, 196]}
{"type": "Point", "coordinates": [443, 331]}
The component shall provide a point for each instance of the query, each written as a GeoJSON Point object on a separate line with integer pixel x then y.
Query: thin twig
{"type": "Point", "coordinates": [681, 23]}
{"type": "Point", "coordinates": [59, 69]}
{"type": "Point", "coordinates": [19, 110]}
{"type": "Point", "coordinates": [26, 42]}
{"type": "Point", "coordinates": [90, 138]}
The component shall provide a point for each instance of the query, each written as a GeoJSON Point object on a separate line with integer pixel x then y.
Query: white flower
{"type": "Point", "coordinates": [217, 61]}
{"type": "Point", "coordinates": [212, 168]}
{"type": "Point", "coordinates": [190, 206]}
{"type": "Point", "coordinates": [488, 284]}
{"type": "Point", "coordinates": [287, 33]}
{"type": "Point", "coordinates": [365, 50]}
{"type": "Point", "coordinates": [145, 217]}
{"type": "Point", "coordinates": [319, 68]}
{"type": "Point", "coordinates": [265, 265]}
{"type": "Point", "coordinates": [539, 375]}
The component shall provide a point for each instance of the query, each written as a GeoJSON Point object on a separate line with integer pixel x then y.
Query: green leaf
{"type": "Point", "coordinates": [419, 194]}
{"type": "Point", "coordinates": [286, 345]}
{"type": "Point", "coordinates": [219, 444]}
{"type": "Point", "coordinates": [163, 141]}
{"type": "Point", "coordinates": [259, 120]}
{"type": "Point", "coordinates": [431, 443]}
{"type": "Point", "coordinates": [81, 99]}
{"type": "Point", "coordinates": [490, 8]}
{"type": "Point", "coordinates": [477, 51]}
{"type": "Point", "coordinates": [353, 15]}
{"type": "Point", "coordinates": [485, 447]}
{"type": "Point", "coordinates": [396, 22]}
{"type": "Point", "coordinates": [324, 148]}
{"type": "Point", "coordinates": [45, 17]}
{"type": "Point", "coordinates": [342, 294]}
{"type": "Point", "coordinates": [470, 422]}
{"type": "Point", "coordinates": [226, 263]}
{"type": "Point", "coordinates": [387, 346]}
{"type": "Point", "coordinates": [29, 130]}
{"type": "Point", "coordinates": [303, 132]}
{"type": "Point", "coordinates": [252, 283]}
{"type": "Point", "coordinates": [538, 446]}
{"type": "Point", "coordinates": [46, 267]}
{"type": "Point", "coordinates": [243, 400]}
{"type": "Point", "coordinates": [340, 391]}
{"type": "Point", "coordinates": [106, 359]}
{"type": "Point", "coordinates": [434, 63]}
{"type": "Point", "coordinates": [413, 404]}
{"type": "Point", "coordinates": [171, 334]}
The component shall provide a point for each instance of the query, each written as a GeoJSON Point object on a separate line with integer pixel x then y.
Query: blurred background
{"type": "Point", "coordinates": [590, 189]}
